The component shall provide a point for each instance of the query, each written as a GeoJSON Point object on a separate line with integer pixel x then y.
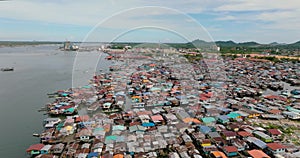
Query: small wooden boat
{"type": "Point", "coordinates": [7, 69]}
{"type": "Point", "coordinates": [42, 109]}
{"type": "Point", "coordinates": [111, 110]}
{"type": "Point", "coordinates": [35, 135]}
{"type": "Point", "coordinates": [93, 107]}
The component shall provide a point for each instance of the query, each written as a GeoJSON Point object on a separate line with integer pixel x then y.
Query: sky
{"type": "Point", "coordinates": [263, 21]}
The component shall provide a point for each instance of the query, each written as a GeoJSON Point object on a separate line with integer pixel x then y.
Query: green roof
{"type": "Point", "coordinates": [112, 137]}
{"type": "Point", "coordinates": [99, 129]}
{"type": "Point", "coordinates": [118, 128]}
{"type": "Point", "coordinates": [59, 126]}
{"type": "Point", "coordinates": [155, 89]}
{"type": "Point", "coordinates": [233, 115]}
{"type": "Point", "coordinates": [87, 86]}
{"type": "Point", "coordinates": [70, 110]}
{"type": "Point", "coordinates": [208, 119]}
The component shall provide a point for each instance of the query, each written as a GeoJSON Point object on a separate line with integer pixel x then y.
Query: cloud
{"type": "Point", "coordinates": [89, 12]}
{"type": "Point", "coordinates": [266, 15]}
{"type": "Point", "coordinates": [226, 17]}
{"type": "Point", "coordinates": [92, 12]}
{"type": "Point", "coordinates": [158, 18]}
{"type": "Point", "coordinates": [62, 12]}
{"type": "Point", "coordinates": [258, 5]}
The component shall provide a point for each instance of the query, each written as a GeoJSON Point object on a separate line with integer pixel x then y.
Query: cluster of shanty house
{"type": "Point", "coordinates": [177, 110]}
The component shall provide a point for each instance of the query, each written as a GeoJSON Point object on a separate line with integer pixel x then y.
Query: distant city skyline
{"type": "Point", "coordinates": [151, 21]}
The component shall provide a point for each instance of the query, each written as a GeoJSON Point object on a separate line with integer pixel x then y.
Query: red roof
{"type": "Point", "coordinates": [205, 141]}
{"type": "Point", "coordinates": [275, 131]}
{"type": "Point", "coordinates": [219, 154]}
{"type": "Point", "coordinates": [275, 111]}
{"type": "Point", "coordinates": [134, 123]}
{"type": "Point", "coordinates": [203, 98]}
{"type": "Point", "coordinates": [144, 113]}
{"type": "Point", "coordinates": [258, 154]}
{"type": "Point", "coordinates": [275, 146]}
{"type": "Point", "coordinates": [83, 118]}
{"type": "Point", "coordinates": [230, 149]}
{"type": "Point", "coordinates": [47, 156]}
{"type": "Point", "coordinates": [244, 133]}
{"type": "Point", "coordinates": [262, 60]}
{"type": "Point", "coordinates": [129, 114]}
{"type": "Point", "coordinates": [229, 133]}
{"type": "Point", "coordinates": [35, 147]}
{"type": "Point", "coordinates": [240, 59]}
{"type": "Point", "coordinates": [157, 118]}
{"type": "Point", "coordinates": [276, 97]}
{"type": "Point", "coordinates": [206, 95]}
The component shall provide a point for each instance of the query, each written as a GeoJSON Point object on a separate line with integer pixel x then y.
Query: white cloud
{"type": "Point", "coordinates": [146, 17]}
{"type": "Point", "coordinates": [63, 12]}
{"type": "Point", "coordinates": [186, 6]}
{"type": "Point", "coordinates": [258, 5]}
{"type": "Point", "coordinates": [266, 14]}
{"type": "Point", "coordinates": [89, 12]}
{"type": "Point", "coordinates": [226, 17]}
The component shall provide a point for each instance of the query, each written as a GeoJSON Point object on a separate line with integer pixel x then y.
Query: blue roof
{"type": "Point", "coordinates": [120, 94]}
{"type": "Point", "coordinates": [224, 109]}
{"type": "Point", "coordinates": [205, 129]}
{"type": "Point", "coordinates": [93, 154]}
{"type": "Point", "coordinates": [295, 91]}
{"type": "Point", "coordinates": [148, 124]}
{"type": "Point", "coordinates": [257, 142]}
{"type": "Point", "coordinates": [63, 103]}
{"type": "Point", "coordinates": [223, 117]}
{"type": "Point", "coordinates": [260, 144]}
{"type": "Point", "coordinates": [58, 106]}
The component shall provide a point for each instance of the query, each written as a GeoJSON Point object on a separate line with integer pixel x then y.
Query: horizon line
{"type": "Point", "coordinates": [54, 41]}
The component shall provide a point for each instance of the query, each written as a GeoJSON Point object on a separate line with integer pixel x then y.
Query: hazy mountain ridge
{"type": "Point", "coordinates": [251, 44]}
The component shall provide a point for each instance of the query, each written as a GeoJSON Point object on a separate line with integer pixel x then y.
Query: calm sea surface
{"type": "Point", "coordinates": [38, 70]}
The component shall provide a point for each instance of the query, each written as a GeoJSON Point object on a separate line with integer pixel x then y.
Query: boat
{"type": "Point", "coordinates": [114, 68]}
{"type": "Point", "coordinates": [109, 57]}
{"type": "Point", "coordinates": [35, 135]}
{"type": "Point", "coordinates": [285, 93]}
{"type": "Point", "coordinates": [93, 107]}
{"type": "Point", "coordinates": [138, 105]}
{"type": "Point", "coordinates": [295, 92]}
{"type": "Point", "coordinates": [42, 109]}
{"type": "Point", "coordinates": [111, 110]}
{"type": "Point", "coordinates": [296, 96]}
{"type": "Point", "coordinates": [51, 121]}
{"type": "Point", "coordinates": [7, 69]}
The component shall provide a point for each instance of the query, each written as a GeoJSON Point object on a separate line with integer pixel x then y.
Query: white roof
{"type": "Point", "coordinates": [82, 155]}
{"type": "Point", "coordinates": [46, 147]}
